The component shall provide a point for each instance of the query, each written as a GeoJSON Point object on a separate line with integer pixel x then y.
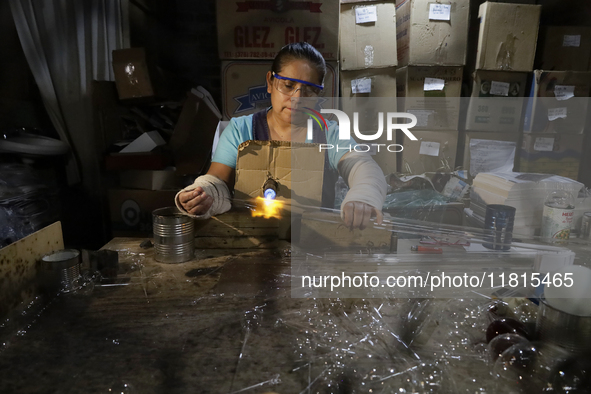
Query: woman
{"type": "Point", "coordinates": [297, 71]}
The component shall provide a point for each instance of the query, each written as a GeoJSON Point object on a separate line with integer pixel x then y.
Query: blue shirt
{"type": "Point", "coordinates": [240, 130]}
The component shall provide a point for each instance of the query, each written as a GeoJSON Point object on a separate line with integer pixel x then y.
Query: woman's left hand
{"type": "Point", "coordinates": [358, 214]}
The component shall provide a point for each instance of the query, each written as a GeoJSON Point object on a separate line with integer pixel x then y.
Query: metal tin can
{"type": "Point", "coordinates": [556, 222]}
{"type": "Point", "coordinates": [174, 239]}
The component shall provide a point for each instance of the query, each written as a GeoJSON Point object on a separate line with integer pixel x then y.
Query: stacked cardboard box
{"type": "Point", "coordinates": [557, 102]}
{"type": "Point", "coordinates": [432, 45]}
{"type": "Point", "coordinates": [505, 55]}
{"type": "Point", "coordinates": [558, 99]}
{"type": "Point", "coordinates": [563, 48]}
{"type": "Point", "coordinates": [250, 33]}
{"type": "Point", "coordinates": [551, 153]}
{"type": "Point", "coordinates": [368, 68]}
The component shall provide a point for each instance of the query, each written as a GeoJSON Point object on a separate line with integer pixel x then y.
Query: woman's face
{"type": "Point", "coordinates": [296, 69]}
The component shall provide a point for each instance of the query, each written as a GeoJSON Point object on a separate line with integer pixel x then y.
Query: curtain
{"type": "Point", "coordinates": [68, 43]}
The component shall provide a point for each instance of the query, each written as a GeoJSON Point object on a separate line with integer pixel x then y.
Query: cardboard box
{"type": "Point", "coordinates": [259, 29]}
{"type": "Point", "coordinates": [148, 180]}
{"type": "Point", "coordinates": [298, 168]}
{"type": "Point", "coordinates": [372, 89]}
{"type": "Point", "coordinates": [432, 33]}
{"type": "Point", "coordinates": [137, 79]}
{"type": "Point", "coordinates": [366, 35]}
{"type": "Point", "coordinates": [131, 210]}
{"type": "Point", "coordinates": [564, 48]}
{"type": "Point", "coordinates": [432, 94]}
{"type": "Point", "coordinates": [379, 82]}
{"type": "Point", "coordinates": [558, 154]}
{"type": "Point", "coordinates": [192, 140]}
{"type": "Point", "coordinates": [497, 101]}
{"type": "Point", "coordinates": [516, 1]}
{"type": "Point", "coordinates": [558, 102]}
{"type": "Point", "coordinates": [494, 150]}
{"type": "Point", "coordinates": [507, 37]}
{"type": "Point", "coordinates": [244, 87]}
{"type": "Point", "coordinates": [433, 151]}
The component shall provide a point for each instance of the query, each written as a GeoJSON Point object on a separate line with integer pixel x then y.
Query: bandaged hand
{"type": "Point", "coordinates": [196, 201]}
{"type": "Point", "coordinates": [357, 214]}
{"type": "Point", "coordinates": [367, 190]}
{"type": "Point", "coordinates": [206, 197]}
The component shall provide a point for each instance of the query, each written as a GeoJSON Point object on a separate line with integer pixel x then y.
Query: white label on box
{"type": "Point", "coordinates": [439, 12]}
{"type": "Point", "coordinates": [556, 113]}
{"type": "Point", "coordinates": [362, 85]}
{"type": "Point", "coordinates": [544, 144]}
{"type": "Point", "coordinates": [499, 88]}
{"type": "Point", "coordinates": [433, 84]}
{"type": "Point", "coordinates": [491, 156]}
{"type": "Point", "coordinates": [564, 92]}
{"type": "Point", "coordinates": [571, 41]}
{"type": "Point", "coordinates": [429, 148]}
{"type": "Point", "coordinates": [366, 14]}
{"type": "Point", "coordinates": [422, 116]}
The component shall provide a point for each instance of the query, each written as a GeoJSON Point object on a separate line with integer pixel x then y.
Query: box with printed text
{"type": "Point", "coordinates": [259, 29]}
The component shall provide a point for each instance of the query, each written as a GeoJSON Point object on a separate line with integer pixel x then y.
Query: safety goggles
{"type": "Point", "coordinates": [288, 87]}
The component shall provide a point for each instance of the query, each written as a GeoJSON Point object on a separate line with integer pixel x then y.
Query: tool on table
{"type": "Point", "coordinates": [428, 240]}
{"type": "Point", "coordinates": [270, 189]}
{"type": "Point", "coordinates": [426, 249]}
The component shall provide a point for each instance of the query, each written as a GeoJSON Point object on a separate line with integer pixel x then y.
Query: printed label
{"type": "Point", "coordinates": [556, 222]}
{"type": "Point", "coordinates": [422, 116]}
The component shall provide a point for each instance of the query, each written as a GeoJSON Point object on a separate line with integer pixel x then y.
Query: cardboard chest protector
{"type": "Point", "coordinates": [298, 168]}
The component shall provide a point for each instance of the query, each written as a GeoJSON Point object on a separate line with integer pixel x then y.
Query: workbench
{"type": "Point", "coordinates": [216, 325]}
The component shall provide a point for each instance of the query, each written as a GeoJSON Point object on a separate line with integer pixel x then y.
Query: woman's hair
{"type": "Point", "coordinates": [299, 51]}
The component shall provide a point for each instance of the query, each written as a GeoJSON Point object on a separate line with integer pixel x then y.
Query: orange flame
{"type": "Point", "coordinates": [267, 208]}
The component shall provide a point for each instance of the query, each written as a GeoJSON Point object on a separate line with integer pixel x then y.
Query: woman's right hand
{"type": "Point", "coordinates": [195, 202]}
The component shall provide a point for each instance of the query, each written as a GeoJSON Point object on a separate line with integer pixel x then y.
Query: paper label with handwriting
{"type": "Point", "coordinates": [366, 14]}
{"type": "Point", "coordinates": [571, 41]}
{"type": "Point", "coordinates": [422, 116]}
{"type": "Point", "coordinates": [439, 12]}
{"type": "Point", "coordinates": [556, 113]}
{"type": "Point", "coordinates": [499, 88]}
{"type": "Point", "coordinates": [491, 156]}
{"type": "Point", "coordinates": [542, 144]}
{"type": "Point", "coordinates": [362, 85]}
{"type": "Point", "coordinates": [564, 92]}
{"type": "Point", "coordinates": [433, 84]}
{"type": "Point", "coordinates": [429, 148]}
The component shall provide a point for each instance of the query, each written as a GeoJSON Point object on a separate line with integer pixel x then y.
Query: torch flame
{"type": "Point", "coordinates": [267, 208]}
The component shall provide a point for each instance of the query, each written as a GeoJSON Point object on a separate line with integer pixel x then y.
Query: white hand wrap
{"type": "Point", "coordinates": [214, 187]}
{"type": "Point", "coordinates": [366, 180]}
